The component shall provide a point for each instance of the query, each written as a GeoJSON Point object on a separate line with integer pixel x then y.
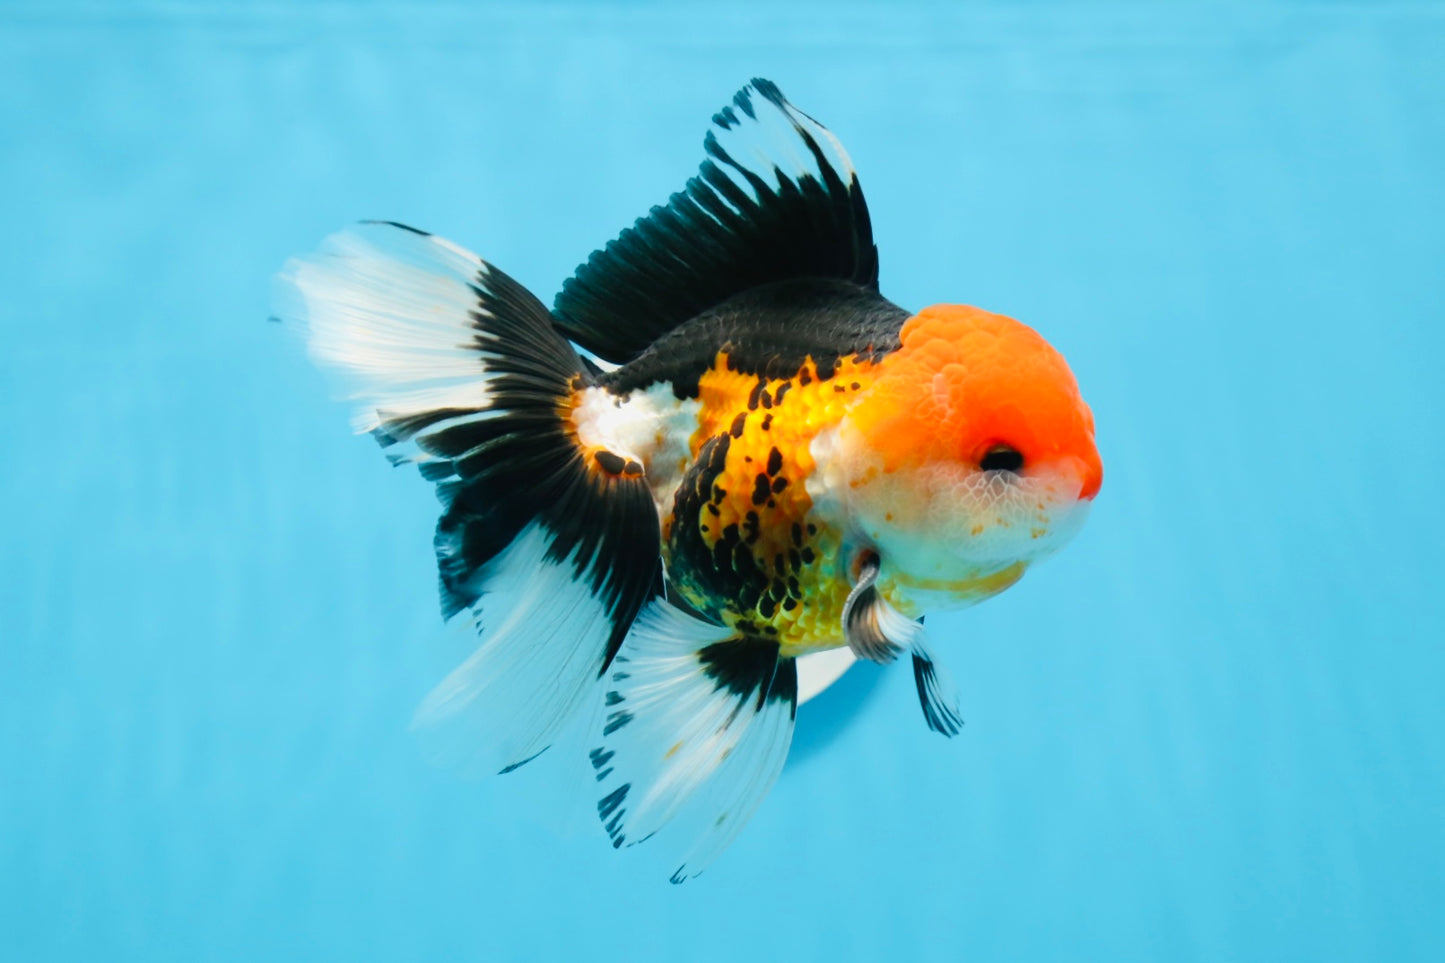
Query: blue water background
{"type": "Point", "coordinates": [1213, 729]}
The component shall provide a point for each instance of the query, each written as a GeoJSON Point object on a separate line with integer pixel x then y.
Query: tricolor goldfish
{"type": "Point", "coordinates": [722, 449]}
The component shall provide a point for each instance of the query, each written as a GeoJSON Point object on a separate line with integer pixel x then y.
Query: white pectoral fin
{"type": "Point", "coordinates": [699, 721]}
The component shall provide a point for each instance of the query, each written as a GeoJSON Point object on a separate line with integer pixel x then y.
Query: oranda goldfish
{"type": "Point", "coordinates": [721, 450]}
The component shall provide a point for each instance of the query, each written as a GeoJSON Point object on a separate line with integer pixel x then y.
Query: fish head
{"type": "Point", "coordinates": [970, 456]}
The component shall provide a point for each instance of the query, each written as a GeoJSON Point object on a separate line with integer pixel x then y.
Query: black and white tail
{"type": "Point", "coordinates": [553, 546]}
{"type": "Point", "coordinates": [456, 368]}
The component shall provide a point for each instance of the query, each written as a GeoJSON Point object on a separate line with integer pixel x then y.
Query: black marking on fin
{"type": "Point", "coordinates": [616, 720]}
{"type": "Point", "coordinates": [745, 667]}
{"type": "Point", "coordinates": [520, 463]}
{"type": "Point", "coordinates": [941, 716]}
{"type": "Point", "coordinates": [518, 765]}
{"type": "Point", "coordinates": [730, 229]}
{"type": "Point", "coordinates": [405, 227]}
{"type": "Point", "coordinates": [860, 618]}
{"type": "Point", "coordinates": [610, 811]}
{"type": "Point", "coordinates": [610, 462]}
{"type": "Point", "coordinates": [740, 696]}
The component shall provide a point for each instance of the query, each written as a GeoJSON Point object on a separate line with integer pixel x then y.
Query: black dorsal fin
{"type": "Point", "coordinates": [777, 199]}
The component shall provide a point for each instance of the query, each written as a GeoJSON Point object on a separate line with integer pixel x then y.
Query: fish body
{"type": "Point", "coordinates": [760, 536]}
{"type": "Point", "coordinates": [753, 456]}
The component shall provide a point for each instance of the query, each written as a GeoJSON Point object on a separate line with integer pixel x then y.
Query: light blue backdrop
{"type": "Point", "coordinates": [1211, 730]}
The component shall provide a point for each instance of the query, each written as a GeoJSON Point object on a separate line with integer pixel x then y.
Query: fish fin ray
{"type": "Point", "coordinates": [937, 694]}
{"type": "Point", "coordinates": [543, 634]}
{"type": "Point", "coordinates": [873, 629]}
{"type": "Point", "coordinates": [390, 309]}
{"type": "Point", "coordinates": [699, 726]}
{"type": "Point", "coordinates": [457, 368]}
{"type": "Point", "coordinates": [776, 199]}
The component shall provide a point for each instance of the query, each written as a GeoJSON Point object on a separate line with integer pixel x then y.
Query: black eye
{"type": "Point", "coordinates": [1002, 458]}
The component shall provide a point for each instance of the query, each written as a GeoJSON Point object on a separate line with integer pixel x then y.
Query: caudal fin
{"type": "Point", "coordinates": [458, 369]}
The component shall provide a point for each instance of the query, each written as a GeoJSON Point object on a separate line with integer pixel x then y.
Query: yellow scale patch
{"type": "Point", "coordinates": [780, 419]}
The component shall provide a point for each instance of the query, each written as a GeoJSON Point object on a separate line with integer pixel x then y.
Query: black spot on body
{"type": "Point", "coordinates": [775, 461]}
{"type": "Point", "coordinates": [762, 488]}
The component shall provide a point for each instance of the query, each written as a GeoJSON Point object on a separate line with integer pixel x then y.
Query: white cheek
{"type": "Point", "coordinates": [992, 518]}
{"type": "Point", "coordinates": [944, 520]}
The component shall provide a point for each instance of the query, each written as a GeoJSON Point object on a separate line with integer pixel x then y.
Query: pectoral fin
{"type": "Point", "coordinates": [936, 692]}
{"type": "Point", "coordinates": [873, 629]}
{"type": "Point", "coordinates": [877, 631]}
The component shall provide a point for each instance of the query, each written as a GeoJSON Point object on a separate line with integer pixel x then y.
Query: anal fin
{"type": "Point", "coordinates": [876, 630]}
{"type": "Point", "coordinates": [698, 724]}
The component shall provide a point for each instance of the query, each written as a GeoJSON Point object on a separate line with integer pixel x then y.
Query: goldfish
{"type": "Point", "coordinates": [721, 450]}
